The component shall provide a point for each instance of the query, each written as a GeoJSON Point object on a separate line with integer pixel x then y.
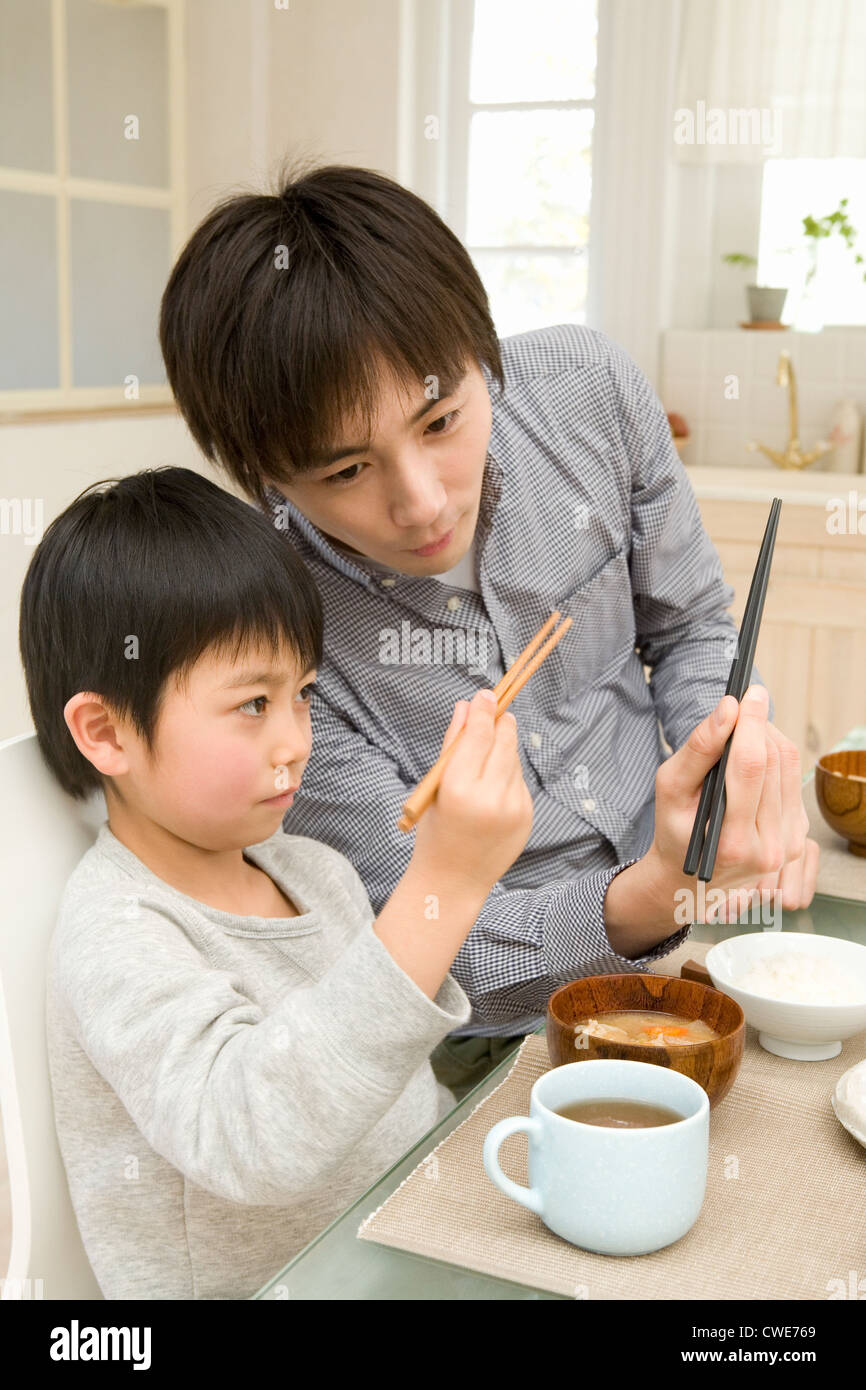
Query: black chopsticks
{"type": "Point", "coordinates": [711, 807]}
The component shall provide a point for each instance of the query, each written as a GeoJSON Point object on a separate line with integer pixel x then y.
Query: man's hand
{"type": "Point", "coordinates": [796, 879]}
{"type": "Point", "coordinates": [763, 842]}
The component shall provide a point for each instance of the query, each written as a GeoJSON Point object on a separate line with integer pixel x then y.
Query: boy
{"type": "Point", "coordinates": [237, 1050]}
{"type": "Point", "coordinates": [331, 348]}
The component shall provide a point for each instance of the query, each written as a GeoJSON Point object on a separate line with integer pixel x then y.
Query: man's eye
{"type": "Point", "coordinates": [340, 477]}
{"type": "Point", "coordinates": [446, 420]}
{"type": "Point", "coordinates": [447, 423]}
{"type": "Point", "coordinates": [256, 700]}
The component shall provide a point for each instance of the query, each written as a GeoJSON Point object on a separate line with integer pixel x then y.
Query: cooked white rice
{"type": "Point", "coordinates": [801, 979]}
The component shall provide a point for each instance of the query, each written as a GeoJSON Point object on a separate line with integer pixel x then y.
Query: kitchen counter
{"type": "Point", "coordinates": [806, 489]}
{"type": "Point", "coordinates": [812, 646]}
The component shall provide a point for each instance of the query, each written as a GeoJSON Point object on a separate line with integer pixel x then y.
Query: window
{"type": "Point", "coordinates": [91, 199]}
{"type": "Point", "coordinates": [529, 159]}
{"type": "Point", "coordinates": [793, 189]}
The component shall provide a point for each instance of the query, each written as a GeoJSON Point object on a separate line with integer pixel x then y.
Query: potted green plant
{"type": "Point", "coordinates": [766, 302]}
{"type": "Point", "coordinates": [814, 228]}
{"type": "Point", "coordinates": [810, 311]}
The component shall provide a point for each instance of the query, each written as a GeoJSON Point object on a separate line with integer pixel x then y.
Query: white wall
{"type": "Point", "coordinates": [54, 463]}
{"type": "Point", "coordinates": [334, 81]}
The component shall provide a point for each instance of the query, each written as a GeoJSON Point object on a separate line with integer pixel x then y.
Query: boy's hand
{"type": "Point", "coordinates": [464, 842]}
{"type": "Point", "coordinates": [482, 815]}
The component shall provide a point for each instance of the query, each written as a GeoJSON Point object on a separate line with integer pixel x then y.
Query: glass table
{"type": "Point", "coordinates": [336, 1265]}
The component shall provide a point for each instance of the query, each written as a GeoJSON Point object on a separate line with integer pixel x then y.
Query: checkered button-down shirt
{"type": "Point", "coordinates": [585, 507]}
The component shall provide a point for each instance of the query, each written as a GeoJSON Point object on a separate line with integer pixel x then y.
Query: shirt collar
{"type": "Point", "coordinates": [286, 517]}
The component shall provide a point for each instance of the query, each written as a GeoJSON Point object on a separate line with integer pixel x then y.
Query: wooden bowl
{"type": "Point", "coordinates": [713, 1064]}
{"type": "Point", "coordinates": [840, 790]}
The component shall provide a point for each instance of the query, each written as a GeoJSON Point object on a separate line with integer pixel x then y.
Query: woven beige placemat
{"type": "Point", "coordinates": [841, 874]}
{"type": "Point", "coordinates": [784, 1214]}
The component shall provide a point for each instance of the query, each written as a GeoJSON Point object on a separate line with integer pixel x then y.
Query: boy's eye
{"type": "Point", "coordinates": [256, 700]}
{"type": "Point", "coordinates": [303, 695]}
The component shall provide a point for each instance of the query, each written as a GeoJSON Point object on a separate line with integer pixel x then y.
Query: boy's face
{"type": "Point", "coordinates": [229, 748]}
{"type": "Point", "coordinates": [418, 482]}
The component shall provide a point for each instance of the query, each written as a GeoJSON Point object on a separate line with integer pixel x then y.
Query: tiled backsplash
{"type": "Point", "coordinates": [724, 385]}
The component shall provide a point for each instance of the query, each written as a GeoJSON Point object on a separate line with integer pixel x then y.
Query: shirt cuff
{"type": "Point", "coordinates": [576, 935]}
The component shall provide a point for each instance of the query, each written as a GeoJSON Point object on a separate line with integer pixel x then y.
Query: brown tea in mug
{"type": "Point", "coordinates": [616, 1113]}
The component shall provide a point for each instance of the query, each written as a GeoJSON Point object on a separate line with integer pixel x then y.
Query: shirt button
{"type": "Point", "coordinates": [452, 603]}
{"type": "Point", "coordinates": [535, 740]}
{"type": "Point", "coordinates": [388, 583]}
{"type": "Point", "coordinates": [589, 804]}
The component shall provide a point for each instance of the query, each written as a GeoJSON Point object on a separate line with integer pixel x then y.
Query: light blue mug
{"type": "Point", "coordinates": [615, 1191]}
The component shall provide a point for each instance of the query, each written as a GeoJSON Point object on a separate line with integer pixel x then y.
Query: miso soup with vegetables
{"type": "Point", "coordinates": [649, 1027]}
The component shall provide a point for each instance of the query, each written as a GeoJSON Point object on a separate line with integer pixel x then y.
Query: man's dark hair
{"type": "Point", "coordinates": [169, 559]}
{"type": "Point", "coordinates": [282, 308]}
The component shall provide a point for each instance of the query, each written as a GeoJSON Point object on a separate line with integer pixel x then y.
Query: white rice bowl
{"type": "Point", "coordinates": [795, 1025]}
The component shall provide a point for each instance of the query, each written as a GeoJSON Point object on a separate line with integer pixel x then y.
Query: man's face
{"type": "Point", "coordinates": [417, 481]}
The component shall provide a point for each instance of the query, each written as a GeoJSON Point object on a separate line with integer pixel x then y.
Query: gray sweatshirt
{"type": "Point", "coordinates": [224, 1086]}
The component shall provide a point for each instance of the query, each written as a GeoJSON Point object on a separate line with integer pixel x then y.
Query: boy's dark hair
{"type": "Point", "coordinates": [279, 306]}
{"type": "Point", "coordinates": [169, 558]}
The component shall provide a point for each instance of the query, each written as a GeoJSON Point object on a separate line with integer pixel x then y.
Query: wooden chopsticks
{"type": "Point", "coordinates": [711, 807]}
{"type": "Point", "coordinates": [508, 687]}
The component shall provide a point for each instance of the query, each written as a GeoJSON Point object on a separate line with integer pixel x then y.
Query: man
{"type": "Point", "coordinates": [331, 347]}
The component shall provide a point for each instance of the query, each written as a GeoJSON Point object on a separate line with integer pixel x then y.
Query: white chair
{"type": "Point", "coordinates": [43, 834]}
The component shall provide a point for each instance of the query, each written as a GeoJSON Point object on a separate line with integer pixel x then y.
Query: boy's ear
{"type": "Point", "coordinates": [98, 732]}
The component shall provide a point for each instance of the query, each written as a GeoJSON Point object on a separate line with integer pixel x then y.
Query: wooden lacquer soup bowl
{"type": "Point", "coordinates": [840, 791]}
{"type": "Point", "coordinates": [713, 1063]}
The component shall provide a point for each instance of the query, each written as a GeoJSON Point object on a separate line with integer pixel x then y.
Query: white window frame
{"type": "Point", "coordinates": [436, 51]}
{"type": "Point", "coordinates": [462, 111]}
{"type": "Point", "coordinates": [64, 400]}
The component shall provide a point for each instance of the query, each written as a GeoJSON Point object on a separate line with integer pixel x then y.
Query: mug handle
{"type": "Point", "coordinates": [527, 1196]}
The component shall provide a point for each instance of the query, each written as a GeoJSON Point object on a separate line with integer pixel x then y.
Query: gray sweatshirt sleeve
{"type": "Point", "coordinates": [256, 1108]}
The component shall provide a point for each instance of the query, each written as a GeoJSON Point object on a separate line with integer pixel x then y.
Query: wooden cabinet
{"type": "Point", "coordinates": [812, 647]}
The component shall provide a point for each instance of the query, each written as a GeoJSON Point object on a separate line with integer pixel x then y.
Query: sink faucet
{"type": "Point", "coordinates": [793, 456]}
